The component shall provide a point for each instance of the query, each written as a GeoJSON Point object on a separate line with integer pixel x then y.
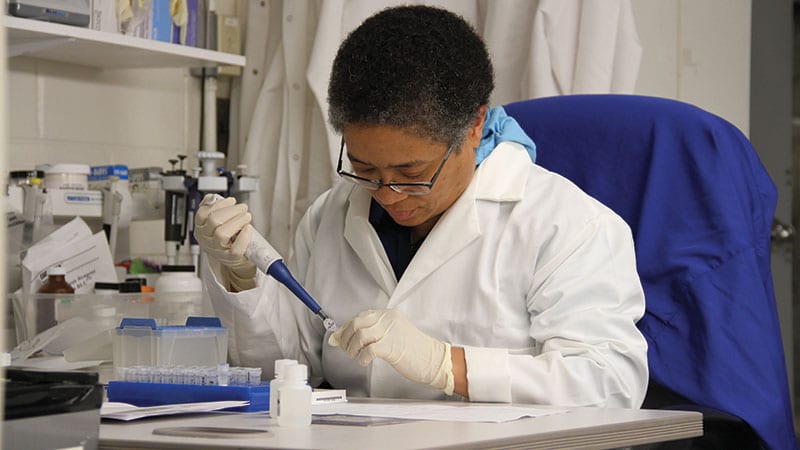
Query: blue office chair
{"type": "Point", "coordinates": [700, 205]}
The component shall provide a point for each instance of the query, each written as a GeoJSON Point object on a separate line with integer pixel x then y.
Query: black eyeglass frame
{"type": "Point", "coordinates": [374, 185]}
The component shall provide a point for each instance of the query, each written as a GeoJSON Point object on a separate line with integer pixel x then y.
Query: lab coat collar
{"type": "Point", "coordinates": [459, 226]}
{"type": "Point", "coordinates": [364, 240]}
{"type": "Point", "coordinates": [509, 162]}
{"type": "Point", "coordinates": [456, 229]}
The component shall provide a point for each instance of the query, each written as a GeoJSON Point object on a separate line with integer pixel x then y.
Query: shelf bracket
{"type": "Point", "coordinates": [22, 48]}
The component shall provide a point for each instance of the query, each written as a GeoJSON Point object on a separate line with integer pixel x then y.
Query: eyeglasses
{"type": "Point", "coordinates": [414, 188]}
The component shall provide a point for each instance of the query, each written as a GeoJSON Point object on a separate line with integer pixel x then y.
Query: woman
{"type": "Point", "coordinates": [456, 265]}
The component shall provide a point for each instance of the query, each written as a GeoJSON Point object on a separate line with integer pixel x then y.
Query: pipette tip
{"type": "Point", "coordinates": [327, 322]}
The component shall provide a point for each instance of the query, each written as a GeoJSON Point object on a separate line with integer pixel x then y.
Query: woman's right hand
{"type": "Point", "coordinates": [223, 231]}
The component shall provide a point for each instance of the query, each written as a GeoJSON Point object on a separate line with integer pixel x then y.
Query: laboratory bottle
{"type": "Point", "coordinates": [179, 293]}
{"type": "Point", "coordinates": [178, 284]}
{"type": "Point", "coordinates": [46, 306]}
{"type": "Point", "coordinates": [275, 385]}
{"type": "Point", "coordinates": [56, 283]}
{"type": "Point", "coordinates": [101, 306]}
{"type": "Point", "coordinates": [294, 398]}
{"type": "Point", "coordinates": [104, 316]}
{"type": "Point", "coordinates": [67, 176]}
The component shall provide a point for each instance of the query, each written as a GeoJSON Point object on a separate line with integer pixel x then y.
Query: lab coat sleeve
{"type": "Point", "coordinates": [584, 303]}
{"type": "Point", "coordinates": [267, 322]}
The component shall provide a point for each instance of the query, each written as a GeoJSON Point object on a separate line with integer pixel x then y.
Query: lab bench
{"type": "Point", "coordinates": [597, 428]}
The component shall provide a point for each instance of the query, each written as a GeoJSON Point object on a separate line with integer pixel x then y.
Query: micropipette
{"type": "Point", "coordinates": [269, 261]}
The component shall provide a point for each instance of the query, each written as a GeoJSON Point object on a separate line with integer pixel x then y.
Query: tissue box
{"type": "Point", "coordinates": [203, 341]}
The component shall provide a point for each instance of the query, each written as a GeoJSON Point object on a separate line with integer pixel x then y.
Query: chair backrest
{"type": "Point", "coordinates": [700, 205]}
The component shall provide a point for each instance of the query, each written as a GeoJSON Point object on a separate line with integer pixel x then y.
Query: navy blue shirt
{"type": "Point", "coordinates": [397, 240]}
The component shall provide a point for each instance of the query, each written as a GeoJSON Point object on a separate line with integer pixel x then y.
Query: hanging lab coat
{"type": "Point", "coordinates": [536, 280]}
{"type": "Point", "coordinates": [538, 48]}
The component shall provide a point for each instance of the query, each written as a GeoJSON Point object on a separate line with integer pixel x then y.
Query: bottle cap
{"type": "Point", "coordinates": [187, 268]}
{"type": "Point", "coordinates": [56, 270]}
{"type": "Point", "coordinates": [19, 174]}
{"type": "Point", "coordinates": [280, 365]}
{"type": "Point", "coordinates": [130, 286]}
{"type": "Point", "coordinates": [295, 372]}
{"type": "Point", "coordinates": [103, 286]}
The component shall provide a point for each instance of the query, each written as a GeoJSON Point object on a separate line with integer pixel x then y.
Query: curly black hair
{"type": "Point", "coordinates": [420, 68]}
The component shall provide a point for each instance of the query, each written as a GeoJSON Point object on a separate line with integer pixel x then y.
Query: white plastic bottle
{"type": "Point", "coordinates": [179, 293]}
{"type": "Point", "coordinates": [294, 397]}
{"type": "Point", "coordinates": [178, 284]}
{"type": "Point", "coordinates": [275, 385]}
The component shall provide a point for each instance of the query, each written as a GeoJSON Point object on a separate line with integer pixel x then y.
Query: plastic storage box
{"type": "Point", "coordinates": [27, 309]}
{"type": "Point", "coordinates": [203, 341]}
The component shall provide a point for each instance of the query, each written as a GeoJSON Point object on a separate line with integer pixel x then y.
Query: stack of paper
{"type": "Point", "coordinates": [125, 411]}
{"type": "Point", "coordinates": [85, 256]}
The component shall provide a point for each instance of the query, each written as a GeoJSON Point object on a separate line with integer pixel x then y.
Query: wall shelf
{"type": "Point", "coordinates": [83, 46]}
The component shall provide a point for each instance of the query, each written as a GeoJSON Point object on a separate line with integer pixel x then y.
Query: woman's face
{"type": "Point", "coordinates": [393, 155]}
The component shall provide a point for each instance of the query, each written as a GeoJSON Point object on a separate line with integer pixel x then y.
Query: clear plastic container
{"type": "Point", "coordinates": [203, 341]}
{"type": "Point", "coordinates": [101, 304]}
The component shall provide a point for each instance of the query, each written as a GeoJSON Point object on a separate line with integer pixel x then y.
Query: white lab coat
{"type": "Point", "coordinates": [534, 278]}
{"type": "Point", "coordinates": [538, 48]}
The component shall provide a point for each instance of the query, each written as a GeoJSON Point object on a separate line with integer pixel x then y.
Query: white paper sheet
{"type": "Point", "coordinates": [85, 256]}
{"type": "Point", "coordinates": [449, 413]}
{"type": "Point", "coordinates": [126, 412]}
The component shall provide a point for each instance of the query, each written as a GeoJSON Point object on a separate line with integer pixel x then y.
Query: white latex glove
{"type": "Point", "coordinates": [223, 231]}
{"type": "Point", "coordinates": [387, 334]}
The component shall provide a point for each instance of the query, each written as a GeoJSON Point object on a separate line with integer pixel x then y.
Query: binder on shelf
{"type": "Point", "coordinates": [68, 12]}
{"type": "Point", "coordinates": [187, 34]}
{"type": "Point", "coordinates": [161, 21]}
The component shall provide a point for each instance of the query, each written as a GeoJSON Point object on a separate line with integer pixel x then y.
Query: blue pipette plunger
{"type": "Point", "coordinates": [269, 261]}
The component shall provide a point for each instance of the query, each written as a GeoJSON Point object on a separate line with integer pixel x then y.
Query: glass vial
{"type": "Point", "coordinates": [294, 397]}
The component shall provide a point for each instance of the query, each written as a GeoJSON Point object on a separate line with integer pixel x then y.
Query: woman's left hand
{"type": "Point", "coordinates": [388, 334]}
